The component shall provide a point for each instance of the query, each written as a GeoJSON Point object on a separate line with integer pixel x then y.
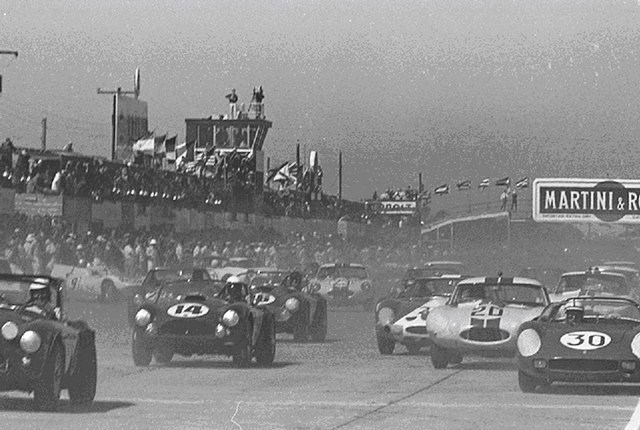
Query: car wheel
{"type": "Point", "coordinates": [319, 328]}
{"type": "Point", "coordinates": [142, 354]}
{"type": "Point", "coordinates": [456, 357]}
{"type": "Point", "coordinates": [385, 345]}
{"type": "Point", "coordinates": [527, 383]}
{"type": "Point", "coordinates": [266, 348]}
{"type": "Point", "coordinates": [108, 291]}
{"type": "Point", "coordinates": [439, 357]}
{"type": "Point", "coordinates": [46, 393]}
{"type": "Point", "coordinates": [163, 355]}
{"type": "Point", "coordinates": [301, 328]}
{"type": "Point", "coordinates": [413, 348]}
{"type": "Point", "coordinates": [82, 387]}
{"type": "Point", "coordinates": [242, 353]}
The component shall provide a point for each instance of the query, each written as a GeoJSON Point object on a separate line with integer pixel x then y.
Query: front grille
{"type": "Point", "coordinates": [417, 330]}
{"type": "Point", "coordinates": [187, 328]}
{"type": "Point", "coordinates": [485, 334]}
{"type": "Point", "coordinates": [582, 365]}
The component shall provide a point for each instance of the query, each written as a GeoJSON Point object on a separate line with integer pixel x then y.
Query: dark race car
{"type": "Point", "coordinates": [297, 310]}
{"type": "Point", "coordinates": [151, 284]}
{"type": "Point", "coordinates": [344, 284]}
{"type": "Point", "coordinates": [584, 339]}
{"type": "Point", "coordinates": [593, 282]}
{"type": "Point", "coordinates": [395, 317]}
{"type": "Point", "coordinates": [189, 318]}
{"type": "Point", "coordinates": [40, 350]}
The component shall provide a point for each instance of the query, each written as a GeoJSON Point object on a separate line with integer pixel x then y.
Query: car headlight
{"type": "Point", "coordinates": [365, 286]}
{"type": "Point", "coordinates": [292, 304]}
{"type": "Point", "coordinates": [143, 317]}
{"type": "Point", "coordinates": [424, 313]}
{"type": "Point", "coordinates": [230, 318]}
{"type": "Point", "coordinates": [9, 330]}
{"type": "Point", "coordinates": [529, 342]}
{"type": "Point", "coordinates": [635, 345]}
{"type": "Point", "coordinates": [30, 341]}
{"type": "Point", "coordinates": [436, 323]}
{"type": "Point", "coordinates": [386, 316]}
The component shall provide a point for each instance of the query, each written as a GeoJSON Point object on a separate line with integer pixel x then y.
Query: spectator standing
{"type": "Point", "coordinates": [152, 255]}
{"type": "Point", "coordinates": [33, 255]}
{"type": "Point", "coordinates": [514, 200]}
{"type": "Point", "coordinates": [503, 199]}
{"type": "Point", "coordinates": [129, 255]}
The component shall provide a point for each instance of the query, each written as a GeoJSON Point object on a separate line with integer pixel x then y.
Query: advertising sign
{"type": "Point", "coordinates": [586, 200]}
{"type": "Point", "coordinates": [398, 207]}
{"type": "Point", "coordinates": [131, 124]}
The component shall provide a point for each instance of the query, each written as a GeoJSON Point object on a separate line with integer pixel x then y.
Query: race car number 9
{"type": "Point", "coordinates": [188, 310]}
{"type": "Point", "coordinates": [585, 340]}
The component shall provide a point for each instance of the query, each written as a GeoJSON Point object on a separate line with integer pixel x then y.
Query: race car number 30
{"type": "Point", "coordinates": [585, 340]}
{"type": "Point", "coordinates": [188, 310]}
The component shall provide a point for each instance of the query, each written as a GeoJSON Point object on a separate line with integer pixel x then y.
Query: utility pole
{"type": "Point", "coordinates": [6, 52]}
{"type": "Point", "coordinates": [114, 115]}
{"type": "Point", "coordinates": [340, 176]}
{"type": "Point", "coordinates": [43, 138]}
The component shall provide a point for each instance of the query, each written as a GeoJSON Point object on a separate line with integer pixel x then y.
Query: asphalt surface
{"type": "Point", "coordinates": [343, 383]}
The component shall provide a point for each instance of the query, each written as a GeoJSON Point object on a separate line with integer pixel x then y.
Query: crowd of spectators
{"type": "Point", "coordinates": [398, 194]}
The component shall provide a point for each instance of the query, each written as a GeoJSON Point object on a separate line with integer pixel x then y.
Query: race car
{"type": "Point", "coordinates": [344, 284]}
{"type": "Point", "coordinates": [583, 339]}
{"type": "Point", "coordinates": [400, 316]}
{"type": "Point", "coordinates": [297, 310]}
{"type": "Point", "coordinates": [189, 318]}
{"type": "Point", "coordinates": [434, 268]}
{"type": "Point", "coordinates": [591, 282]}
{"type": "Point", "coordinates": [41, 351]}
{"type": "Point", "coordinates": [93, 282]}
{"type": "Point", "coordinates": [482, 317]}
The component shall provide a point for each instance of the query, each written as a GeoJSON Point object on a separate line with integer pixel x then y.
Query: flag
{"type": "Point", "coordinates": [503, 182]}
{"type": "Point", "coordinates": [170, 147]}
{"type": "Point", "coordinates": [158, 145]}
{"type": "Point", "coordinates": [523, 183]}
{"type": "Point", "coordinates": [145, 145]}
{"type": "Point", "coordinates": [464, 185]}
{"type": "Point", "coordinates": [484, 183]}
{"type": "Point", "coordinates": [442, 189]}
{"type": "Point", "coordinates": [185, 152]}
{"type": "Point", "coordinates": [286, 174]}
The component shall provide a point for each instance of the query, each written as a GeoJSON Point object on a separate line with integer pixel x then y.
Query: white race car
{"type": "Point", "coordinates": [482, 317]}
{"type": "Point", "coordinates": [93, 282]}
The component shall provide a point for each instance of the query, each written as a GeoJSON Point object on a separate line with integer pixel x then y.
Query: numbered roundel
{"type": "Point", "coordinates": [188, 310]}
{"type": "Point", "coordinates": [585, 340]}
{"type": "Point", "coordinates": [263, 298]}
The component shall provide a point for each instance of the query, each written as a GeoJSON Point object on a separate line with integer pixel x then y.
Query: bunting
{"type": "Point", "coordinates": [503, 182]}
{"type": "Point", "coordinates": [484, 184]}
{"type": "Point", "coordinates": [442, 189]}
{"type": "Point", "coordinates": [523, 183]}
{"type": "Point", "coordinates": [464, 185]}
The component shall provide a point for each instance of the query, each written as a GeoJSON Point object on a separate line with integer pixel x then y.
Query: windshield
{"type": "Point", "coordinates": [17, 292]}
{"type": "Point", "coordinates": [245, 263]}
{"type": "Point", "coordinates": [593, 284]}
{"type": "Point", "coordinates": [268, 279]}
{"type": "Point", "coordinates": [178, 290]}
{"type": "Point", "coordinates": [351, 272]}
{"type": "Point", "coordinates": [430, 287]}
{"type": "Point", "coordinates": [600, 309]}
{"type": "Point", "coordinates": [522, 294]}
{"type": "Point", "coordinates": [424, 272]}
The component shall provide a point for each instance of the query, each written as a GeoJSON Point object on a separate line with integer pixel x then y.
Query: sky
{"type": "Point", "coordinates": [453, 90]}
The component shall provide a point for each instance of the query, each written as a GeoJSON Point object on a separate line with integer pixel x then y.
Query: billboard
{"type": "Point", "coordinates": [586, 200]}
{"type": "Point", "coordinates": [397, 207]}
{"type": "Point", "coordinates": [131, 124]}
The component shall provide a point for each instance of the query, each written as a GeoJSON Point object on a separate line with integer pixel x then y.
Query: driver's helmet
{"type": "Point", "coordinates": [39, 291]}
{"type": "Point", "coordinates": [574, 311]}
{"type": "Point", "coordinates": [235, 288]}
{"type": "Point", "coordinates": [294, 280]}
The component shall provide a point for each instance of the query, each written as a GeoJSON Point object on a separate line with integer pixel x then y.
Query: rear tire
{"type": "Point", "coordinates": [385, 345]}
{"type": "Point", "coordinates": [439, 357]}
{"type": "Point", "coordinates": [528, 384]}
{"type": "Point", "coordinates": [82, 388]}
{"type": "Point", "coordinates": [46, 393]}
{"type": "Point", "coordinates": [108, 291]}
{"type": "Point", "coordinates": [141, 353]}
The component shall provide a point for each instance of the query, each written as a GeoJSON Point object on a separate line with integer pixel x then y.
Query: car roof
{"type": "Point", "coordinates": [442, 276]}
{"type": "Point", "coordinates": [438, 263]}
{"type": "Point", "coordinates": [342, 265]}
{"type": "Point", "coordinates": [587, 272]}
{"type": "Point", "coordinates": [499, 280]}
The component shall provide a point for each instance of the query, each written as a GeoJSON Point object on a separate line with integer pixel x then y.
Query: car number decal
{"type": "Point", "coordinates": [188, 310]}
{"type": "Point", "coordinates": [263, 298]}
{"type": "Point", "coordinates": [486, 316]}
{"type": "Point", "coordinates": [585, 340]}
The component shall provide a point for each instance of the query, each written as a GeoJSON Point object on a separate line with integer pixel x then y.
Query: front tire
{"type": "Point", "coordinates": [46, 393]}
{"type": "Point", "coordinates": [141, 353]}
{"type": "Point", "coordinates": [301, 328]}
{"type": "Point", "coordinates": [242, 354]}
{"type": "Point", "coordinates": [82, 389]}
{"type": "Point", "coordinates": [439, 357]}
{"type": "Point", "coordinates": [527, 383]}
{"type": "Point", "coordinates": [319, 328]}
{"type": "Point", "coordinates": [266, 348]}
{"type": "Point", "coordinates": [163, 355]}
{"type": "Point", "coordinates": [385, 345]}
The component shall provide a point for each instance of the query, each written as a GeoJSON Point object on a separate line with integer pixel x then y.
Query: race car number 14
{"type": "Point", "coordinates": [188, 310]}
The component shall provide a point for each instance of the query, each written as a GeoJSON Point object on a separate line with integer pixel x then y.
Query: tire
{"type": "Point", "coordinates": [301, 328]}
{"type": "Point", "coordinates": [439, 357]}
{"type": "Point", "coordinates": [385, 345]}
{"type": "Point", "coordinates": [242, 353]}
{"type": "Point", "coordinates": [266, 347]}
{"type": "Point", "coordinates": [163, 355]}
{"type": "Point", "coordinates": [108, 291]}
{"type": "Point", "coordinates": [46, 393]}
{"type": "Point", "coordinates": [319, 328]}
{"type": "Point", "coordinates": [528, 384]}
{"type": "Point", "coordinates": [413, 349]}
{"type": "Point", "coordinates": [456, 358]}
{"type": "Point", "coordinates": [82, 387]}
{"type": "Point", "coordinates": [141, 353]}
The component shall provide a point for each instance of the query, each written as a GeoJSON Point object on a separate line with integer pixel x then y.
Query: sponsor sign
{"type": "Point", "coordinates": [586, 200]}
{"type": "Point", "coordinates": [38, 204]}
{"type": "Point", "coordinates": [131, 124]}
{"type": "Point", "coordinates": [398, 207]}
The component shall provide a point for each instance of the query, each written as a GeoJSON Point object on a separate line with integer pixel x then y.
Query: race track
{"type": "Point", "coordinates": [341, 384]}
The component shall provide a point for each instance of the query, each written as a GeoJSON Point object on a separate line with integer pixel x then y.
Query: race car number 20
{"type": "Point", "coordinates": [188, 310]}
{"type": "Point", "coordinates": [585, 340]}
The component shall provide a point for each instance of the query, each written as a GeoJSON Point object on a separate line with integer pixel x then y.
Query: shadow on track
{"type": "Point", "coordinates": [290, 341]}
{"type": "Point", "coordinates": [64, 407]}
{"type": "Point", "coordinates": [487, 365]}
{"type": "Point", "coordinates": [214, 364]}
{"type": "Point", "coordinates": [566, 389]}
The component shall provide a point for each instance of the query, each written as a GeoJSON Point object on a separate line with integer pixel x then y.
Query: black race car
{"type": "Point", "coordinates": [187, 318]}
{"type": "Point", "coordinates": [40, 350]}
{"type": "Point", "coordinates": [581, 339]}
{"type": "Point", "coordinates": [297, 309]}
